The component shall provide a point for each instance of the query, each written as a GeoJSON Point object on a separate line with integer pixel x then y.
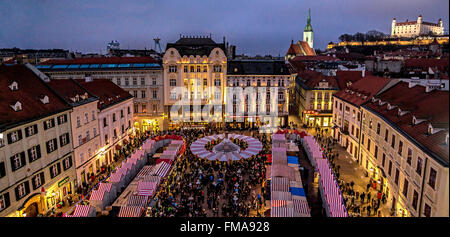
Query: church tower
{"type": "Point", "coordinates": [308, 32]}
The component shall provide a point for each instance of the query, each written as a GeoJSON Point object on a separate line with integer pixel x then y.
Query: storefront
{"type": "Point", "coordinates": [57, 193]}
{"type": "Point", "coordinates": [316, 119]}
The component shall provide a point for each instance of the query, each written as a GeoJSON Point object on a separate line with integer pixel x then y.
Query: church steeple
{"type": "Point", "coordinates": [308, 26]}
{"type": "Point", "coordinates": [308, 32]}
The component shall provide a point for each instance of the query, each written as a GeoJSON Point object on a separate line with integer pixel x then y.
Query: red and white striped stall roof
{"type": "Point", "coordinates": [163, 169]}
{"type": "Point", "coordinates": [283, 171]}
{"type": "Point", "coordinates": [145, 171]}
{"type": "Point", "coordinates": [281, 208]}
{"type": "Point", "coordinates": [83, 210]}
{"type": "Point", "coordinates": [279, 195]}
{"type": "Point", "coordinates": [301, 207]}
{"type": "Point", "coordinates": [97, 195]}
{"type": "Point", "coordinates": [105, 186]}
{"type": "Point", "coordinates": [130, 211]}
{"type": "Point", "coordinates": [146, 188]}
{"type": "Point", "coordinates": [116, 177]}
{"type": "Point", "coordinates": [137, 200]}
{"type": "Point", "coordinates": [151, 178]}
{"type": "Point", "coordinates": [280, 184]}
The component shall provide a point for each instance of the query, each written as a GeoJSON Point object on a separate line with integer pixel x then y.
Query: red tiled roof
{"type": "Point", "coordinates": [425, 63]}
{"type": "Point", "coordinates": [406, 23]}
{"type": "Point", "coordinates": [432, 106]}
{"type": "Point", "coordinates": [101, 60]}
{"type": "Point", "coordinates": [30, 90]}
{"type": "Point", "coordinates": [367, 86]}
{"type": "Point", "coordinates": [313, 78]}
{"type": "Point", "coordinates": [301, 48]}
{"type": "Point", "coordinates": [68, 89]}
{"type": "Point", "coordinates": [343, 77]}
{"type": "Point", "coordinates": [350, 56]}
{"type": "Point", "coordinates": [108, 92]}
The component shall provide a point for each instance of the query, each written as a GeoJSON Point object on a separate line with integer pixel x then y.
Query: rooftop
{"type": "Point", "coordinates": [72, 92]}
{"type": "Point", "coordinates": [257, 67]}
{"type": "Point", "coordinates": [431, 106]}
{"type": "Point", "coordinates": [362, 90]}
{"type": "Point", "coordinates": [195, 46]}
{"type": "Point", "coordinates": [96, 63]}
{"type": "Point", "coordinates": [107, 92]}
{"type": "Point", "coordinates": [31, 91]}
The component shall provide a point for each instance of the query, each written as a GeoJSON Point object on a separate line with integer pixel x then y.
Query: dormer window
{"type": "Point", "coordinates": [17, 106]}
{"type": "Point", "coordinates": [414, 120]}
{"type": "Point", "coordinates": [45, 100]}
{"type": "Point", "coordinates": [430, 129]}
{"type": "Point", "coordinates": [14, 86]}
{"type": "Point", "coordinates": [390, 107]}
{"type": "Point", "coordinates": [446, 139]}
{"type": "Point", "coordinates": [381, 102]}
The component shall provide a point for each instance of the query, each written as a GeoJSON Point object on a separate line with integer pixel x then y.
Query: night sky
{"type": "Point", "coordinates": [254, 26]}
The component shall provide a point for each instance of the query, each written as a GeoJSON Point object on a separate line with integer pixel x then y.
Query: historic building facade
{"type": "Point", "coordinates": [142, 77]}
{"type": "Point", "coordinates": [262, 76]}
{"type": "Point", "coordinates": [404, 146]}
{"type": "Point", "coordinates": [194, 71]}
{"type": "Point", "coordinates": [36, 152]}
{"type": "Point", "coordinates": [416, 28]}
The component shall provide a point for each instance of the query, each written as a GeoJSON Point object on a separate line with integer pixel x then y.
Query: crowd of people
{"type": "Point", "coordinates": [366, 202]}
{"type": "Point", "coordinates": [198, 187]}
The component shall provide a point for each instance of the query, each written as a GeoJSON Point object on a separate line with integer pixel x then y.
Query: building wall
{"type": "Point", "coordinates": [86, 150]}
{"type": "Point", "coordinates": [153, 81]}
{"type": "Point", "coordinates": [13, 179]}
{"type": "Point", "coordinates": [436, 198]}
{"type": "Point", "coordinates": [315, 106]}
{"type": "Point", "coordinates": [185, 80]}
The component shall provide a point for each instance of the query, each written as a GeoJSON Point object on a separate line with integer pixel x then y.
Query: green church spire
{"type": "Point", "coordinates": [308, 26]}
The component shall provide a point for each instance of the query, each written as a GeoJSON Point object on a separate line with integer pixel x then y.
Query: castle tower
{"type": "Point", "coordinates": [394, 22]}
{"type": "Point", "coordinates": [308, 32]}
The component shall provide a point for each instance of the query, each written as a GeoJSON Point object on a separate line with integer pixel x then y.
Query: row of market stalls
{"type": "Point", "coordinates": [288, 197]}
{"type": "Point", "coordinates": [226, 150]}
{"type": "Point", "coordinates": [332, 200]}
{"type": "Point", "coordinates": [138, 181]}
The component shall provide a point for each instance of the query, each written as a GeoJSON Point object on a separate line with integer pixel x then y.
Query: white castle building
{"type": "Point", "coordinates": [416, 28]}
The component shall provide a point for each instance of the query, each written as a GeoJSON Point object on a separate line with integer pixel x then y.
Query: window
{"type": "Point", "coordinates": [80, 140]}
{"type": "Point", "coordinates": [173, 68]}
{"type": "Point", "coordinates": [386, 134]}
{"type": "Point", "coordinates": [18, 161]}
{"type": "Point", "coordinates": [397, 176]}
{"type": "Point", "coordinates": [154, 81]}
{"type": "Point", "coordinates": [123, 129]}
{"type": "Point", "coordinates": [51, 145]}
{"type": "Point", "coordinates": [173, 95]}
{"type": "Point", "coordinates": [393, 141]}
{"type": "Point", "coordinates": [155, 94]}
{"type": "Point", "coordinates": [205, 69]}
{"type": "Point", "coordinates": [105, 123]}
{"type": "Point", "coordinates": [405, 188]}
{"type": "Point", "coordinates": [135, 94]}
{"type": "Point", "coordinates": [88, 136]}
{"type": "Point", "coordinates": [248, 82]}
{"type": "Point", "coordinates": [93, 115]}
{"type": "Point", "coordinates": [217, 68]}
{"type": "Point", "coordinates": [400, 147]}
{"type": "Point", "coordinates": [127, 82]}
{"type": "Point", "coordinates": [86, 118]}
{"type": "Point", "coordinates": [129, 110]}
{"type": "Point", "coordinates": [205, 82]}
{"type": "Point", "coordinates": [376, 152]}
{"type": "Point", "coordinates": [22, 190]}
{"type": "Point", "coordinates": [78, 122]}
{"type": "Point", "coordinates": [31, 130]}
{"type": "Point", "coordinates": [49, 124]}
{"type": "Point", "coordinates": [185, 69]}
{"type": "Point", "coordinates": [34, 153]}
{"type": "Point", "coordinates": [427, 210]}
{"type": "Point", "coordinates": [390, 168]}
{"type": "Point", "coordinates": [144, 108]}
{"type": "Point", "coordinates": [82, 156]}
{"type": "Point", "coordinates": [37, 180]}
{"type": "Point", "coordinates": [118, 81]}
{"type": "Point", "coordinates": [192, 69]}
{"type": "Point", "coordinates": [357, 133]}
{"type": "Point", "coordinates": [67, 163]}
{"type": "Point", "coordinates": [432, 179]}
{"type": "Point", "coordinates": [419, 166]}
{"type": "Point", "coordinates": [368, 144]}
{"type": "Point", "coordinates": [378, 128]}
{"type": "Point", "coordinates": [362, 139]}
{"type": "Point", "coordinates": [383, 160]}
{"type": "Point", "coordinates": [4, 201]}
{"type": "Point", "coordinates": [143, 94]}
{"type": "Point", "coordinates": [115, 133]}
{"type": "Point", "coordinates": [95, 132]}
{"type": "Point", "coordinates": [136, 108]}
{"type": "Point", "coordinates": [155, 108]}
{"type": "Point", "coordinates": [62, 119]}
{"type": "Point", "coordinates": [216, 82]}
{"type": "Point", "coordinates": [134, 81]}
{"type": "Point", "coordinates": [199, 69]}
{"type": "Point", "coordinates": [415, 199]}
{"type": "Point", "coordinates": [106, 139]}
{"type": "Point", "coordinates": [2, 170]}
{"type": "Point", "coordinates": [143, 81]}
{"type": "Point", "coordinates": [55, 170]}
{"type": "Point", "coordinates": [114, 117]}
{"type": "Point", "coordinates": [409, 157]}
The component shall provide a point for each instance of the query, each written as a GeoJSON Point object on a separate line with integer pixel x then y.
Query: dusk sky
{"type": "Point", "coordinates": [254, 26]}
